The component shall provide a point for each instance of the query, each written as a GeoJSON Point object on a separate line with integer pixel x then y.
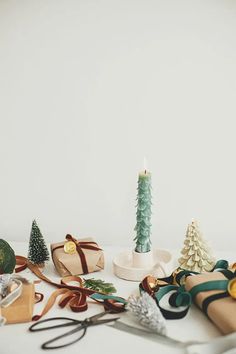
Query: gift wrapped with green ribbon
{"type": "Point", "coordinates": [215, 294]}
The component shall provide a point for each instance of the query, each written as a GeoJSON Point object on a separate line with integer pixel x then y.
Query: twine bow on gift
{"type": "Point", "coordinates": [79, 246]}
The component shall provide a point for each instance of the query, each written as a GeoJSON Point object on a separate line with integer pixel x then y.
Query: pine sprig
{"type": "Point", "coordinates": [99, 285]}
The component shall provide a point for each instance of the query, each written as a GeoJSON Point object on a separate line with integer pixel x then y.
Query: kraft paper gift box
{"type": "Point", "coordinates": [21, 310]}
{"type": "Point", "coordinates": [70, 264]}
{"type": "Point", "coordinates": [222, 312]}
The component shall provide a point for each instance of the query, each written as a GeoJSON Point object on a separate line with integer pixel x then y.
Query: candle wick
{"type": "Point", "coordinates": [145, 172]}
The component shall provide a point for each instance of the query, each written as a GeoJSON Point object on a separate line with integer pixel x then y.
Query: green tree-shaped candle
{"type": "Point", "coordinates": [38, 252]}
{"type": "Point", "coordinates": [143, 214]}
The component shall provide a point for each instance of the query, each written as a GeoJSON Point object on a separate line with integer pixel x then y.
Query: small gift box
{"type": "Point", "coordinates": [21, 310]}
{"type": "Point", "coordinates": [218, 305]}
{"type": "Point", "coordinates": [75, 257]}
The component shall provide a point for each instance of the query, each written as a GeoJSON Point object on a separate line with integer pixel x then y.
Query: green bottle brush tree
{"type": "Point", "coordinates": [38, 252]}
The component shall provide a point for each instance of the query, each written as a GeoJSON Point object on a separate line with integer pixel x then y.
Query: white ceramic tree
{"type": "Point", "coordinates": [196, 255]}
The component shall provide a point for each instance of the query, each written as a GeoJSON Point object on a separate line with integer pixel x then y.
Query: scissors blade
{"type": "Point", "coordinates": [105, 321]}
{"type": "Point", "coordinates": [97, 316]}
{"type": "Point", "coordinates": [94, 320]}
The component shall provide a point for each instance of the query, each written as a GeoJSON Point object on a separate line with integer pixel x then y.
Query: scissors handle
{"type": "Point", "coordinates": [81, 327]}
{"type": "Point", "coordinates": [36, 327]}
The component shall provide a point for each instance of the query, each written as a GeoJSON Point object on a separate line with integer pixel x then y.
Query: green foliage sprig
{"type": "Point", "coordinates": [99, 285]}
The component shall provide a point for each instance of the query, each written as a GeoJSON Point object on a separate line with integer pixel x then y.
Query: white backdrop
{"type": "Point", "coordinates": [88, 88]}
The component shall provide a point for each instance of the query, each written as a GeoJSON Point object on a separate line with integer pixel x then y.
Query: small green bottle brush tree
{"type": "Point", "coordinates": [143, 213]}
{"type": "Point", "coordinates": [38, 252]}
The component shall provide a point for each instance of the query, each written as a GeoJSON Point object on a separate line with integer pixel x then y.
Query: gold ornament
{"type": "Point", "coordinates": [174, 274]}
{"type": "Point", "coordinates": [233, 267]}
{"type": "Point", "coordinates": [232, 288]}
{"type": "Point", "coordinates": [70, 247]}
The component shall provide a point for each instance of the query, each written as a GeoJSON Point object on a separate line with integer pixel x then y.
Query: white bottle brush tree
{"type": "Point", "coordinates": [38, 252]}
{"type": "Point", "coordinates": [196, 255]}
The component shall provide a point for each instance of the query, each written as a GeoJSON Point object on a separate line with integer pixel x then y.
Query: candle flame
{"type": "Point", "coordinates": [145, 164]}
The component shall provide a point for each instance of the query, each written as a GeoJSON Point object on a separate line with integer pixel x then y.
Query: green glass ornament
{"type": "Point", "coordinates": [7, 258]}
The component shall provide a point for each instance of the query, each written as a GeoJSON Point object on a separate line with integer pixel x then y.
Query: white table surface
{"type": "Point", "coordinates": [15, 338]}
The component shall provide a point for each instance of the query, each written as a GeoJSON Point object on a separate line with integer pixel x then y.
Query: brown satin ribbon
{"type": "Point", "coordinates": [38, 297]}
{"type": "Point", "coordinates": [73, 296]}
{"type": "Point", "coordinates": [80, 245]}
{"type": "Point", "coordinates": [74, 299]}
{"type": "Point", "coordinates": [21, 264]}
{"type": "Point", "coordinates": [34, 268]}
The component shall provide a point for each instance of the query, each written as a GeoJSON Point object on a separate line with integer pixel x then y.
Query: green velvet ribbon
{"type": "Point", "coordinates": [209, 285]}
{"type": "Point", "coordinates": [221, 264]}
{"type": "Point", "coordinates": [181, 297]}
{"type": "Point", "coordinates": [98, 296]}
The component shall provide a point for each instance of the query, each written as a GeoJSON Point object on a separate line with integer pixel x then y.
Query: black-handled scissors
{"type": "Point", "coordinates": [60, 322]}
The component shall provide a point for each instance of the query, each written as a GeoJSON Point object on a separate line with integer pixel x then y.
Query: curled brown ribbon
{"type": "Point", "coordinates": [74, 299]}
{"type": "Point", "coordinates": [24, 263]}
{"type": "Point", "coordinates": [73, 296]}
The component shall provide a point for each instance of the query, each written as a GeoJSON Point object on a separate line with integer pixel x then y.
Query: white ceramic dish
{"type": "Point", "coordinates": [163, 265]}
